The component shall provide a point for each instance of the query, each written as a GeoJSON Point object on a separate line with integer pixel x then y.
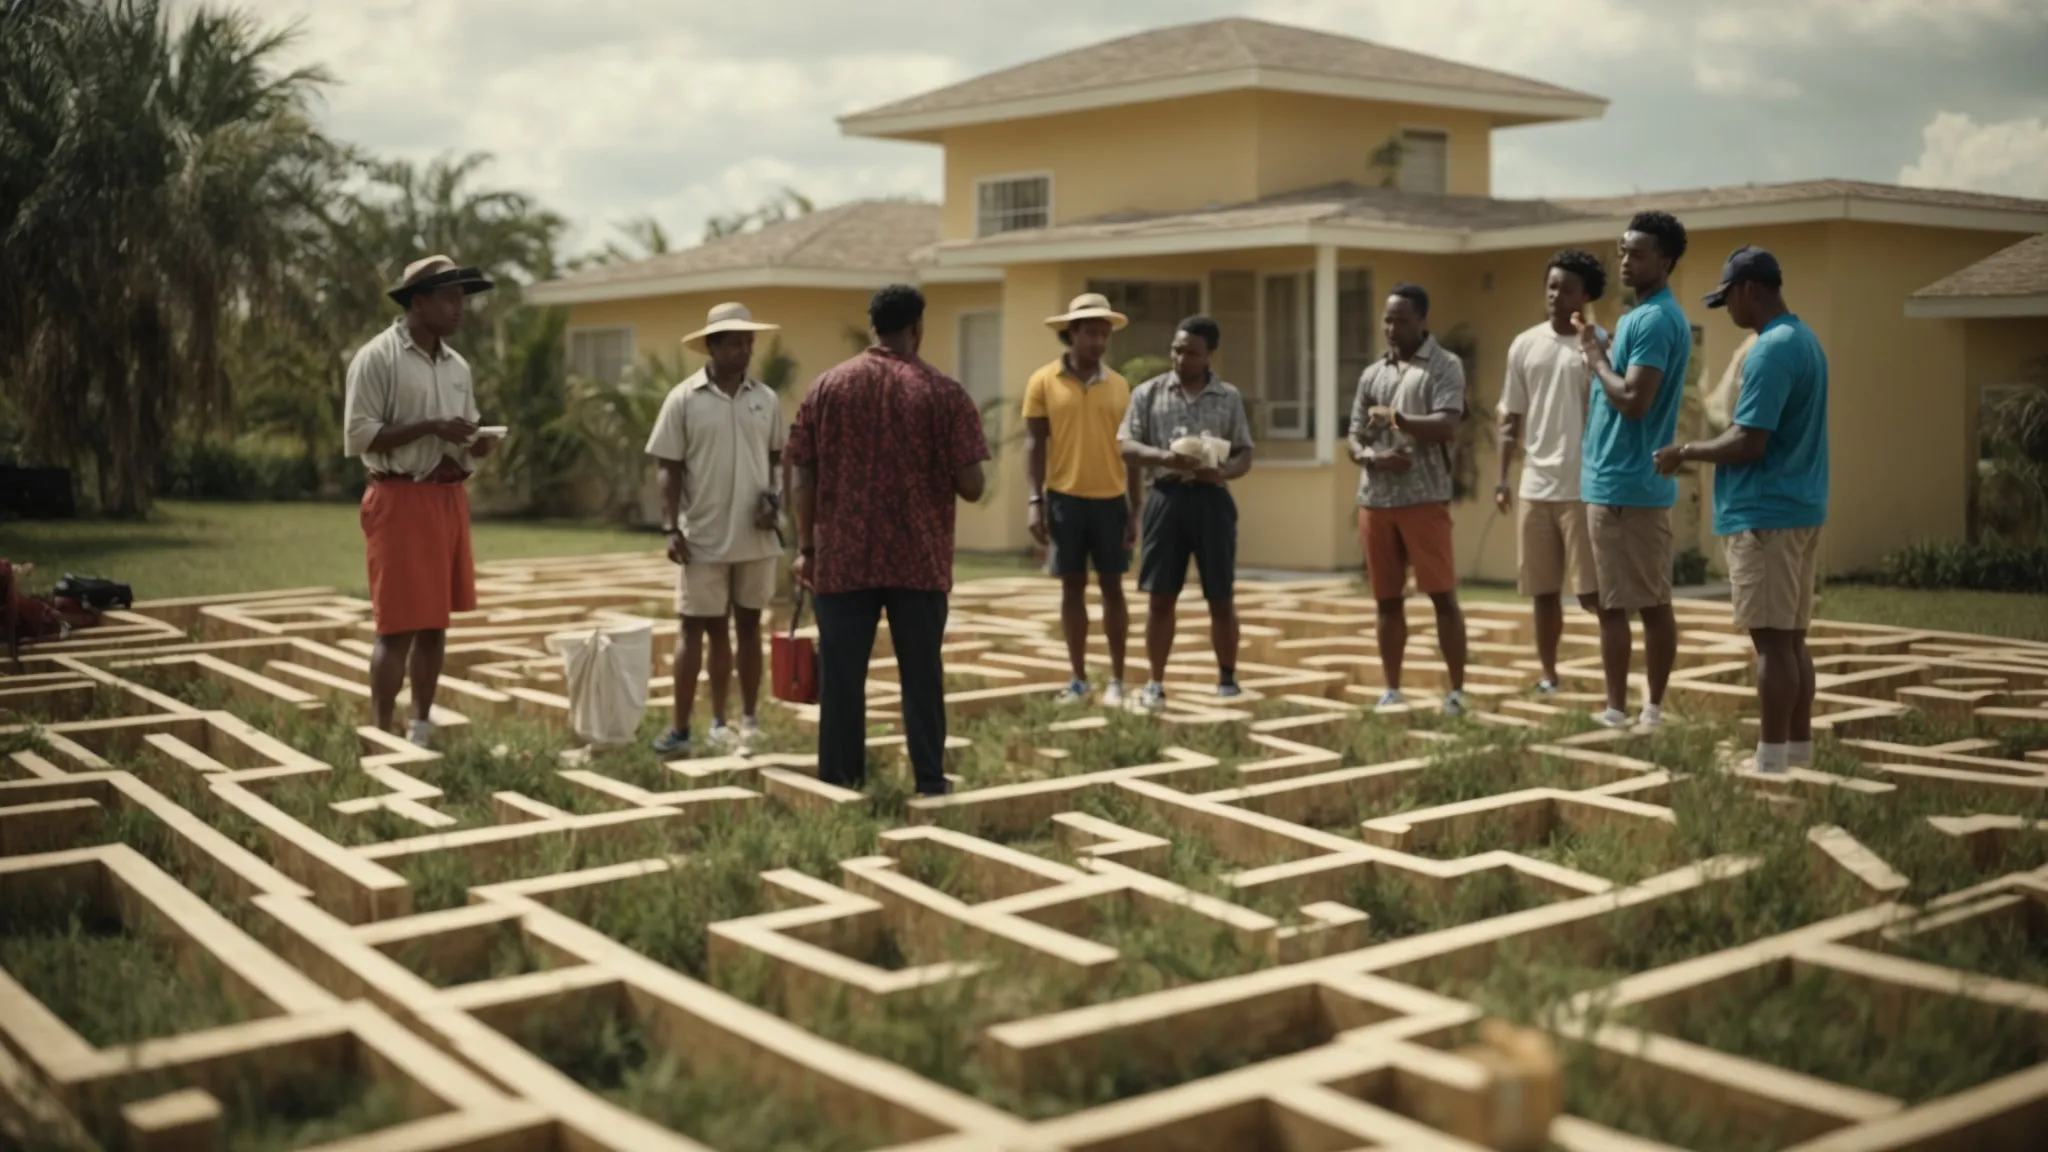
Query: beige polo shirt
{"type": "Point", "coordinates": [393, 381]}
{"type": "Point", "coordinates": [723, 443]}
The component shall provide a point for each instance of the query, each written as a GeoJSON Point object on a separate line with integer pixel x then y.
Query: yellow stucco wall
{"type": "Point", "coordinates": [1223, 148]}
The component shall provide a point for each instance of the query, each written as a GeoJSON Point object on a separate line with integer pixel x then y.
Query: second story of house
{"type": "Point", "coordinates": [1223, 112]}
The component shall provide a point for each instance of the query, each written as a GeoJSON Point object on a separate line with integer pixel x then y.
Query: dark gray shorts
{"type": "Point", "coordinates": [1185, 522]}
{"type": "Point", "coordinates": [1086, 532]}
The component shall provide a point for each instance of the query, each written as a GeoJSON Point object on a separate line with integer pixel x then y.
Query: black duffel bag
{"type": "Point", "coordinates": [93, 593]}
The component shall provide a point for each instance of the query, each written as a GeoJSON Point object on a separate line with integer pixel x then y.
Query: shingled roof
{"type": "Point", "coordinates": [862, 243]}
{"type": "Point", "coordinates": [1222, 54]}
{"type": "Point", "coordinates": [2010, 282]}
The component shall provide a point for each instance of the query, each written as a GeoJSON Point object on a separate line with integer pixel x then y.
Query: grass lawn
{"type": "Point", "coordinates": [193, 549]}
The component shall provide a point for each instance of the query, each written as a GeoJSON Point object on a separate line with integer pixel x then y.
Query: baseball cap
{"type": "Point", "coordinates": [1746, 263]}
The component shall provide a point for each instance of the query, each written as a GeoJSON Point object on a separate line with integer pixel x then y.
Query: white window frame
{"type": "Point", "coordinates": [1305, 335]}
{"type": "Point", "coordinates": [960, 320]}
{"type": "Point", "coordinates": [632, 345]}
{"type": "Point", "coordinates": [1402, 132]}
{"type": "Point", "coordinates": [1011, 178]}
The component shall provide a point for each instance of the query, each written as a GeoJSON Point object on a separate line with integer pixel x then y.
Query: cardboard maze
{"type": "Point", "coordinates": [434, 947]}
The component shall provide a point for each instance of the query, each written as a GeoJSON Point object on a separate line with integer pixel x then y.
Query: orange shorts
{"type": "Point", "coordinates": [1395, 538]}
{"type": "Point", "coordinates": [420, 566]}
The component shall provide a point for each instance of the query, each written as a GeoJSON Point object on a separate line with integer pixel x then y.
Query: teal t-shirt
{"type": "Point", "coordinates": [1784, 392]}
{"type": "Point", "coordinates": [1618, 468]}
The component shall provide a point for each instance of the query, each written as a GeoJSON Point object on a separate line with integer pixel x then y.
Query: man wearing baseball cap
{"type": "Point", "coordinates": [1771, 497]}
{"type": "Point", "coordinates": [409, 411]}
{"type": "Point", "coordinates": [718, 439]}
{"type": "Point", "coordinates": [1084, 501]}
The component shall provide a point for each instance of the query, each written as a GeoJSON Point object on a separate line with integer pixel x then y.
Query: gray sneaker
{"type": "Point", "coordinates": [672, 743]}
{"type": "Point", "coordinates": [1455, 704]}
{"type": "Point", "coordinates": [1152, 698]}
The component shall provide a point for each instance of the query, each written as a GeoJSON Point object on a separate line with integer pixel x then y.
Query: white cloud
{"type": "Point", "coordinates": [2009, 156]}
{"type": "Point", "coordinates": [1741, 81]}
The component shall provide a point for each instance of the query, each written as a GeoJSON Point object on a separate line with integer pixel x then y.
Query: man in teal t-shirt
{"type": "Point", "coordinates": [1771, 497]}
{"type": "Point", "coordinates": [1638, 387]}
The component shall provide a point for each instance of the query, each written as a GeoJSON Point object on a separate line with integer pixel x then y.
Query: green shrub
{"type": "Point", "coordinates": [1985, 565]}
{"type": "Point", "coordinates": [236, 470]}
{"type": "Point", "coordinates": [1689, 568]}
{"type": "Point", "coordinates": [1139, 369]}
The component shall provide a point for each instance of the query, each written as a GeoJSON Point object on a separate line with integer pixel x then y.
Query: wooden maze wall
{"type": "Point", "coordinates": [1347, 1036]}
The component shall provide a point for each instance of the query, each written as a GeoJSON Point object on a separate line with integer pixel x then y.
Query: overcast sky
{"type": "Point", "coordinates": [608, 109]}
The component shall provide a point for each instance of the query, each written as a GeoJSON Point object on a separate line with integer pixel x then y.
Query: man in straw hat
{"type": "Point", "coordinates": [1190, 514]}
{"type": "Point", "coordinates": [883, 446]}
{"type": "Point", "coordinates": [720, 434]}
{"type": "Point", "coordinates": [1084, 501]}
{"type": "Point", "coordinates": [411, 414]}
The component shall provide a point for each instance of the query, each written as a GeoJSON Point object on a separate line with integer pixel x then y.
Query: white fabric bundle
{"type": "Point", "coordinates": [1212, 451]}
{"type": "Point", "coordinates": [608, 671]}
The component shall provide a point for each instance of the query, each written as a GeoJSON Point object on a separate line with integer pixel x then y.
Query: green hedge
{"type": "Point", "coordinates": [213, 470]}
{"type": "Point", "coordinates": [1986, 566]}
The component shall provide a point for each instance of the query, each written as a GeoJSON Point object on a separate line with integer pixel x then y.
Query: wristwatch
{"type": "Point", "coordinates": [1037, 499]}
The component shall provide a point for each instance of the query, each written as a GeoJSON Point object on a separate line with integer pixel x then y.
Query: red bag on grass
{"type": "Point", "coordinates": [25, 618]}
{"type": "Point", "coordinates": [793, 662]}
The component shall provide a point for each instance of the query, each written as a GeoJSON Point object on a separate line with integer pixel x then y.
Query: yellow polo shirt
{"type": "Point", "coordinates": [1084, 458]}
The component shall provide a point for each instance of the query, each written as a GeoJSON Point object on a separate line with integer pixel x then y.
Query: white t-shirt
{"type": "Point", "coordinates": [1548, 386]}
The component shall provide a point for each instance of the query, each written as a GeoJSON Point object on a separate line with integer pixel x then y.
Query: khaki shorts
{"type": "Point", "coordinates": [1554, 536]}
{"type": "Point", "coordinates": [1631, 556]}
{"type": "Point", "coordinates": [708, 591]}
{"type": "Point", "coordinates": [1771, 574]}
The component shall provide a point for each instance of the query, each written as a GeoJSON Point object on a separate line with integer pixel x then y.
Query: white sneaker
{"type": "Point", "coordinates": [422, 735]}
{"type": "Point", "coordinates": [1455, 704]}
{"type": "Point", "coordinates": [1113, 696]}
{"type": "Point", "coordinates": [1652, 717]}
{"type": "Point", "coordinates": [1612, 718]}
{"type": "Point", "coordinates": [1075, 692]}
{"type": "Point", "coordinates": [722, 738]}
{"type": "Point", "coordinates": [1152, 698]}
{"type": "Point", "coordinates": [1546, 687]}
{"type": "Point", "coordinates": [750, 731]}
{"type": "Point", "coordinates": [1391, 699]}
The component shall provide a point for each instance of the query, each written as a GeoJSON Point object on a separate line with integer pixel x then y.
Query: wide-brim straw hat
{"type": "Point", "coordinates": [430, 272]}
{"type": "Point", "coordinates": [728, 317]}
{"type": "Point", "coordinates": [1088, 306]}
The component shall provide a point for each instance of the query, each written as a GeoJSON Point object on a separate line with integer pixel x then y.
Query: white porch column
{"type": "Point", "coordinates": [1325, 336]}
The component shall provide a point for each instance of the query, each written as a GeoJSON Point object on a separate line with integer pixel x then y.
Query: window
{"type": "Point", "coordinates": [1011, 203]}
{"type": "Point", "coordinates": [1156, 308]}
{"type": "Point", "coordinates": [1425, 161]}
{"type": "Point", "coordinates": [981, 357]}
{"type": "Point", "coordinates": [604, 354]}
{"type": "Point", "coordinates": [1358, 322]}
{"type": "Point", "coordinates": [1287, 352]}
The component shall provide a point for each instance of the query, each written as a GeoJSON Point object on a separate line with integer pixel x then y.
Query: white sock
{"type": "Point", "coordinates": [1770, 758]}
{"type": "Point", "coordinates": [1799, 753]}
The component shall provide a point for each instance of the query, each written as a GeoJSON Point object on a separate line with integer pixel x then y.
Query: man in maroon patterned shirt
{"type": "Point", "coordinates": [883, 446]}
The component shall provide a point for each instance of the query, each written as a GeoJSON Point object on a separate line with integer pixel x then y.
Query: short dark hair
{"type": "Point", "coordinates": [1414, 294]}
{"type": "Point", "coordinates": [1665, 227]}
{"type": "Point", "coordinates": [1587, 267]}
{"type": "Point", "coordinates": [1204, 327]}
{"type": "Point", "coordinates": [894, 308]}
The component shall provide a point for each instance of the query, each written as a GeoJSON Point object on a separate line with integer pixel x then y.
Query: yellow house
{"type": "Point", "coordinates": [1281, 180]}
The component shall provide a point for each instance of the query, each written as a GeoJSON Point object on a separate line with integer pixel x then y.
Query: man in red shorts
{"type": "Point", "coordinates": [411, 414]}
{"type": "Point", "coordinates": [1403, 420]}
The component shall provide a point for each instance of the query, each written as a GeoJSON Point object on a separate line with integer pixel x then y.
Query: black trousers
{"type": "Point", "coordinates": [846, 641]}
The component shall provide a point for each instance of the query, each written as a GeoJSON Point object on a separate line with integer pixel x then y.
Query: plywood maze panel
{"type": "Point", "coordinates": [233, 915]}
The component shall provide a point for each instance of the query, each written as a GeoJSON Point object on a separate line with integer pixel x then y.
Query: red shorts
{"type": "Point", "coordinates": [1395, 539]}
{"type": "Point", "coordinates": [421, 571]}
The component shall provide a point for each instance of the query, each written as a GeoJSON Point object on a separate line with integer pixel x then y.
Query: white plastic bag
{"type": "Point", "coordinates": [1210, 450]}
{"type": "Point", "coordinates": [608, 671]}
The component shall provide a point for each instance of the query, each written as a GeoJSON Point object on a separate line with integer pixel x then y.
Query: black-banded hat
{"type": "Point", "coordinates": [1748, 263]}
{"type": "Point", "coordinates": [431, 272]}
{"type": "Point", "coordinates": [728, 317]}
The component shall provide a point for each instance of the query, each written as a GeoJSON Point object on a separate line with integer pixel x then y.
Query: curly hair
{"type": "Point", "coordinates": [1665, 227]}
{"type": "Point", "coordinates": [894, 308]}
{"type": "Point", "coordinates": [1587, 267]}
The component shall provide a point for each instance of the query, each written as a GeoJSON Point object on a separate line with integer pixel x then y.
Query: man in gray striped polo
{"type": "Point", "coordinates": [1188, 514]}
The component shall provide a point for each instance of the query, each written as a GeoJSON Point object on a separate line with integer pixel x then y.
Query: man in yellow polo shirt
{"type": "Point", "coordinates": [1084, 502]}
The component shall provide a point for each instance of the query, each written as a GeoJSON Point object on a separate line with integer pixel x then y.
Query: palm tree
{"type": "Point", "coordinates": [145, 204]}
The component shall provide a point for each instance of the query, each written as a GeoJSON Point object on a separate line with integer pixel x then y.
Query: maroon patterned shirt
{"type": "Point", "coordinates": [885, 436]}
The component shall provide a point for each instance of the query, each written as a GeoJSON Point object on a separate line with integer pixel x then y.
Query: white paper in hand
{"type": "Point", "coordinates": [488, 432]}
